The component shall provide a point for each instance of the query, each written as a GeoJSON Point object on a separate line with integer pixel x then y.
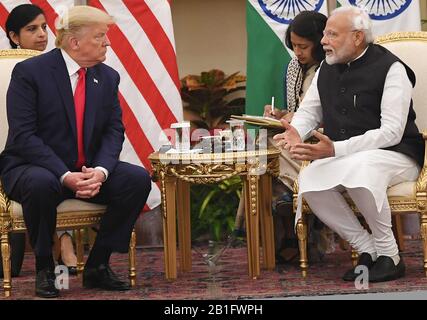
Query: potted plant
{"type": "Point", "coordinates": [212, 97]}
{"type": "Point", "coordinates": [209, 100]}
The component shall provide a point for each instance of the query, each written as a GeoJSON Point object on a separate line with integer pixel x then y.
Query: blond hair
{"type": "Point", "coordinates": [77, 18]}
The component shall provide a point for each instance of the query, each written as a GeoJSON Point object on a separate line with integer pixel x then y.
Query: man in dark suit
{"type": "Point", "coordinates": [65, 137]}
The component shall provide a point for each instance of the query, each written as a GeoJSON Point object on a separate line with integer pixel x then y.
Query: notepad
{"type": "Point", "coordinates": [175, 151]}
{"type": "Point", "coordinates": [260, 121]}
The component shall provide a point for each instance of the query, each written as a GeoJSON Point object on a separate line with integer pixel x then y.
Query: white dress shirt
{"type": "Point", "coordinates": [73, 68]}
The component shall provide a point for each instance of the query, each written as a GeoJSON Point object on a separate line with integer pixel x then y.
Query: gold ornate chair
{"type": "Point", "coordinates": [406, 197]}
{"type": "Point", "coordinates": [72, 213]}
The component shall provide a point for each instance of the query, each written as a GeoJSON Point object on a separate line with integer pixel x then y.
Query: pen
{"type": "Point", "coordinates": [354, 101]}
{"type": "Point", "coordinates": [272, 106]}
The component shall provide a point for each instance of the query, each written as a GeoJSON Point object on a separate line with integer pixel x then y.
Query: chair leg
{"type": "Point", "coordinates": [354, 257]}
{"type": "Point", "coordinates": [398, 231]}
{"type": "Point", "coordinates": [132, 259]}
{"type": "Point", "coordinates": [79, 250]}
{"type": "Point", "coordinates": [7, 271]}
{"type": "Point", "coordinates": [424, 238]}
{"type": "Point", "coordinates": [344, 245]}
{"type": "Point", "coordinates": [302, 243]}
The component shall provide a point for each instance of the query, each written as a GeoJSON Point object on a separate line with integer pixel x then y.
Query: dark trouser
{"type": "Point", "coordinates": [125, 193]}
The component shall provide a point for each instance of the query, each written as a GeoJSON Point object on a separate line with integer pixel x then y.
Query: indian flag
{"type": "Point", "coordinates": [266, 23]}
{"type": "Point", "coordinates": [389, 16]}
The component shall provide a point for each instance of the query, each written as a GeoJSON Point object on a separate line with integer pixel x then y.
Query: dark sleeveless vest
{"type": "Point", "coordinates": [351, 100]}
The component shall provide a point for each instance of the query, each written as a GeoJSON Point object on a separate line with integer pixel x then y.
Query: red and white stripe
{"type": "Point", "coordinates": [143, 52]}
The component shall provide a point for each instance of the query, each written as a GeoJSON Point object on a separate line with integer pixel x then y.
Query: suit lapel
{"type": "Point", "coordinates": [92, 102]}
{"type": "Point", "coordinates": [62, 78]}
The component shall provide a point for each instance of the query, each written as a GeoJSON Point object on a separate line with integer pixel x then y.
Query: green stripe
{"type": "Point", "coordinates": [267, 59]}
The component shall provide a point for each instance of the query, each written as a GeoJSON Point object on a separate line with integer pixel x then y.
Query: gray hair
{"type": "Point", "coordinates": [360, 20]}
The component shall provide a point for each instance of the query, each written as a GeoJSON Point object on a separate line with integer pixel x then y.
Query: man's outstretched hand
{"type": "Point", "coordinates": [289, 138]}
{"type": "Point", "coordinates": [312, 151]}
{"type": "Point", "coordinates": [291, 141]}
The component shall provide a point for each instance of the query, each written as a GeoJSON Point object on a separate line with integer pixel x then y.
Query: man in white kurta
{"type": "Point", "coordinates": [357, 159]}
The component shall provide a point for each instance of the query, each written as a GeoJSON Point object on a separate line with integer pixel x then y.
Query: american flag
{"type": "Point", "coordinates": [143, 52]}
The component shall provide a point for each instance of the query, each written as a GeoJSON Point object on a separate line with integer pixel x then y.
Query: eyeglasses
{"type": "Point", "coordinates": [332, 35]}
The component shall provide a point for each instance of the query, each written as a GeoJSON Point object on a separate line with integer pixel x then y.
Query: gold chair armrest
{"type": "Point", "coordinates": [5, 217]}
{"type": "Point", "coordinates": [304, 164]}
{"type": "Point", "coordinates": [422, 179]}
{"type": "Point", "coordinates": [4, 203]}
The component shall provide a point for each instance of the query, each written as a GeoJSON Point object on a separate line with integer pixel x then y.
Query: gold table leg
{"type": "Point", "coordinates": [7, 269]}
{"type": "Point", "coordinates": [184, 224]}
{"type": "Point", "coordinates": [169, 225]}
{"type": "Point", "coordinates": [302, 242]}
{"type": "Point", "coordinates": [267, 228]}
{"type": "Point", "coordinates": [79, 250]}
{"type": "Point", "coordinates": [252, 224]}
{"type": "Point", "coordinates": [132, 259]}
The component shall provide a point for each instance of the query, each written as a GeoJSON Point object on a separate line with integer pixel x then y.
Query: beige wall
{"type": "Point", "coordinates": [210, 34]}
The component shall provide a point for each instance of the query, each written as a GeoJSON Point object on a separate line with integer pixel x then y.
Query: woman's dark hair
{"type": "Point", "coordinates": [308, 25]}
{"type": "Point", "coordinates": [19, 17]}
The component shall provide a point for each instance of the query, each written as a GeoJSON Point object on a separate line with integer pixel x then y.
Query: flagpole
{"type": "Point", "coordinates": [332, 4]}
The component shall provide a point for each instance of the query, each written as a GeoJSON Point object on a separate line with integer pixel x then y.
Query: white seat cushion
{"type": "Point", "coordinates": [74, 206]}
{"type": "Point", "coordinates": [404, 189]}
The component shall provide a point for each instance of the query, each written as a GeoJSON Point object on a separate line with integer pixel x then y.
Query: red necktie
{"type": "Point", "coordinates": [79, 104]}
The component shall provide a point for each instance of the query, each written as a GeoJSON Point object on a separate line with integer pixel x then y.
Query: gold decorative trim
{"type": "Point", "coordinates": [402, 36]}
{"type": "Point", "coordinates": [212, 157]}
{"type": "Point", "coordinates": [273, 167]}
{"type": "Point", "coordinates": [92, 218]}
{"type": "Point", "coordinates": [422, 179]}
{"type": "Point", "coordinates": [253, 193]}
{"type": "Point", "coordinates": [397, 206]}
{"type": "Point", "coordinates": [18, 53]}
{"type": "Point", "coordinates": [4, 202]}
{"type": "Point", "coordinates": [5, 217]}
{"type": "Point", "coordinates": [207, 172]}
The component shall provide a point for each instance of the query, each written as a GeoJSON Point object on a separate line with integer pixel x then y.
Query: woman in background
{"type": "Point", "coordinates": [303, 38]}
{"type": "Point", "coordinates": [26, 29]}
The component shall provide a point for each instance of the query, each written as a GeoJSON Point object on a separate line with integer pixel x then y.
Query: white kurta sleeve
{"type": "Point", "coordinates": [309, 114]}
{"type": "Point", "coordinates": [395, 103]}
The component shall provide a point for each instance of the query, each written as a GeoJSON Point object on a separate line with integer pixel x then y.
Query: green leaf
{"type": "Point", "coordinates": [206, 202]}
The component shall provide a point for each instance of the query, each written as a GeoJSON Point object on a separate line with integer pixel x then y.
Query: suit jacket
{"type": "Point", "coordinates": [42, 120]}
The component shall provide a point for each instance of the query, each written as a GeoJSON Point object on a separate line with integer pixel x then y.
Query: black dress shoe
{"type": "Point", "coordinates": [72, 270]}
{"type": "Point", "coordinates": [385, 270]}
{"type": "Point", "coordinates": [365, 259]}
{"type": "Point", "coordinates": [104, 278]}
{"type": "Point", "coordinates": [45, 284]}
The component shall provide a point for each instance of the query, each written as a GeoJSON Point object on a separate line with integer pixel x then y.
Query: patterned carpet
{"type": "Point", "coordinates": [229, 280]}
